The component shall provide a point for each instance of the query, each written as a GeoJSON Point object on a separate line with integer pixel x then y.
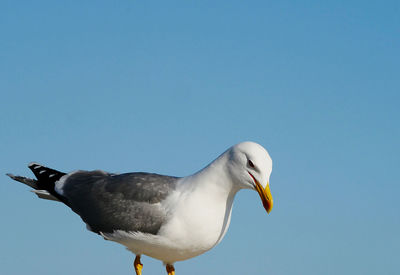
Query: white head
{"type": "Point", "coordinates": [250, 166]}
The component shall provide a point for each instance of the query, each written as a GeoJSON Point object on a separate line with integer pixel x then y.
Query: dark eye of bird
{"type": "Point", "coordinates": [251, 164]}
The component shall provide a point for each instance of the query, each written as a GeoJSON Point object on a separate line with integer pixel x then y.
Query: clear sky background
{"type": "Point", "coordinates": [167, 86]}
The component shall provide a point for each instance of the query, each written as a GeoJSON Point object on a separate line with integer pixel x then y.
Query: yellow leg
{"type": "Point", "coordinates": [138, 265]}
{"type": "Point", "coordinates": [170, 269]}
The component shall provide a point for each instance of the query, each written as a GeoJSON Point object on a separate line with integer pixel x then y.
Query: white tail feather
{"type": "Point", "coordinates": [43, 194]}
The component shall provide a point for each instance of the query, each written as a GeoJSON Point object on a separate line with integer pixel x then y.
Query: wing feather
{"type": "Point", "coordinates": [108, 202]}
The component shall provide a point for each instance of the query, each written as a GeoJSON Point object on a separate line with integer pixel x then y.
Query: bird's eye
{"type": "Point", "coordinates": [251, 164]}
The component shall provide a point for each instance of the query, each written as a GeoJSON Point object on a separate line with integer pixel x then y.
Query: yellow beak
{"type": "Point", "coordinates": [265, 195]}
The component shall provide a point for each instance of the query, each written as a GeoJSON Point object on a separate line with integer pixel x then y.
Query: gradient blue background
{"type": "Point", "coordinates": [167, 86]}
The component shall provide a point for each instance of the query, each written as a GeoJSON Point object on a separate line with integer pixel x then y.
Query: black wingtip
{"type": "Point", "coordinates": [34, 165]}
{"type": "Point", "coordinates": [45, 174]}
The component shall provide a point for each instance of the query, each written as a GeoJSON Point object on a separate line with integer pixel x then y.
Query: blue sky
{"type": "Point", "coordinates": [167, 86]}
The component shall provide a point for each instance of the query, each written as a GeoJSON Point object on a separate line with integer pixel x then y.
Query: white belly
{"type": "Point", "coordinates": [197, 224]}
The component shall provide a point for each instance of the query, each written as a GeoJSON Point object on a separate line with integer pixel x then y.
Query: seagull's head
{"type": "Point", "coordinates": [250, 167]}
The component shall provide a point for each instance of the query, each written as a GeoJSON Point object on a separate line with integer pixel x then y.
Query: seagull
{"type": "Point", "coordinates": [167, 218]}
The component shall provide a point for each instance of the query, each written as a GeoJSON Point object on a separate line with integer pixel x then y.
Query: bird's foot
{"type": "Point", "coordinates": [138, 265]}
{"type": "Point", "coordinates": [170, 269]}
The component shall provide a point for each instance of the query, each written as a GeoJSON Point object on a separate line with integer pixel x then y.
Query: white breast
{"type": "Point", "coordinates": [200, 219]}
{"type": "Point", "coordinates": [199, 216]}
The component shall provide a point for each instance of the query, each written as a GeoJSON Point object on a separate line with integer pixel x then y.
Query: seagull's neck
{"type": "Point", "coordinates": [203, 201]}
{"type": "Point", "coordinates": [214, 178]}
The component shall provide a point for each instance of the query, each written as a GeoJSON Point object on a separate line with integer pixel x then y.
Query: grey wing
{"type": "Point", "coordinates": [108, 202]}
